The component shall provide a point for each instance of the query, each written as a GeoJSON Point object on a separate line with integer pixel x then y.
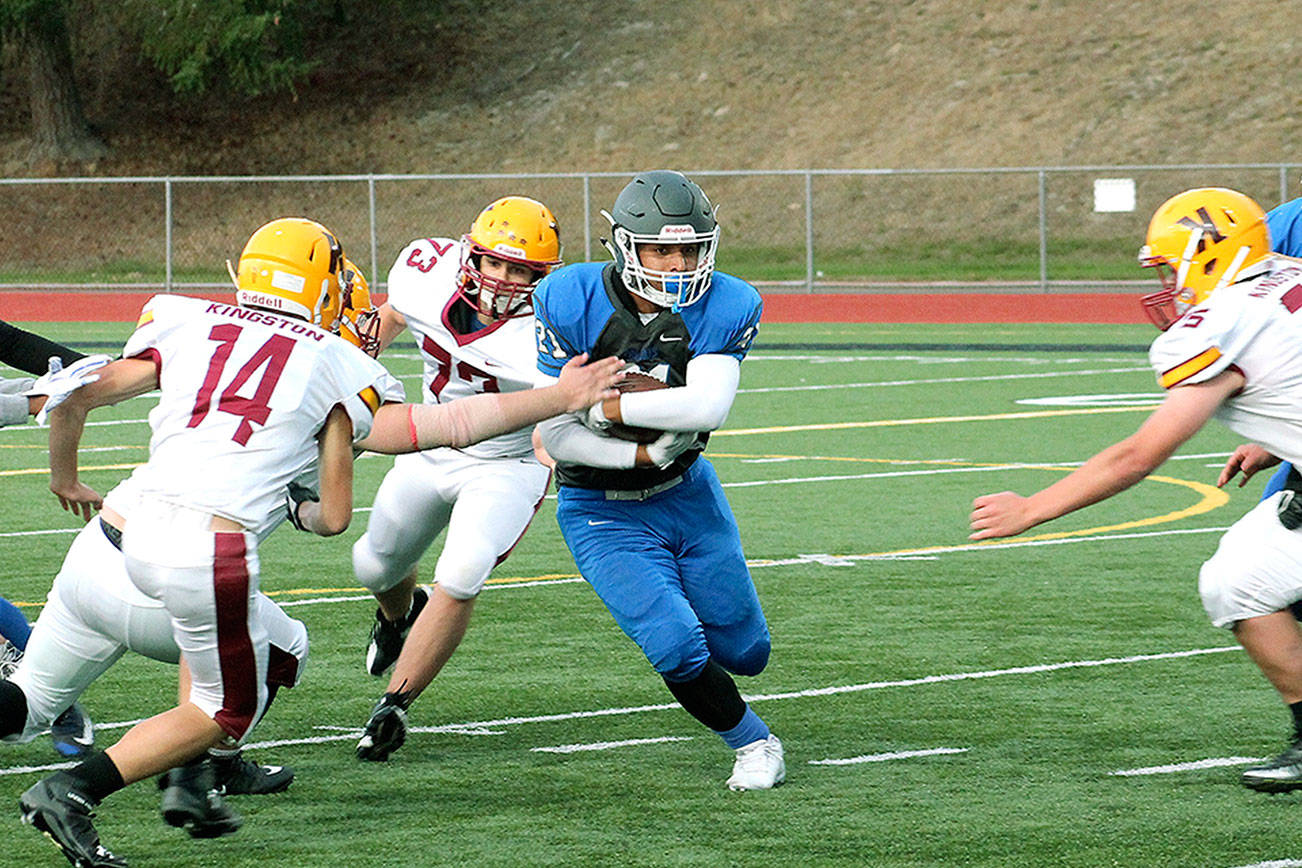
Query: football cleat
{"type": "Point", "coordinates": [10, 657]}
{"type": "Point", "coordinates": [1279, 775]}
{"type": "Point", "coordinates": [385, 731]}
{"type": "Point", "coordinates": [72, 733]}
{"type": "Point", "coordinates": [192, 801]}
{"type": "Point", "coordinates": [237, 776]}
{"type": "Point", "coordinates": [759, 766]}
{"type": "Point", "coordinates": [56, 807]}
{"type": "Point", "coordinates": [387, 636]}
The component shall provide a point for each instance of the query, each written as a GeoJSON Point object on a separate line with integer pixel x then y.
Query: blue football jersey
{"type": "Point", "coordinates": [585, 308]}
{"type": "Point", "coordinates": [1285, 225]}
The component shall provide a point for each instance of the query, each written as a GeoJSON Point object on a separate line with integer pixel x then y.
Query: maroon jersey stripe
{"type": "Point", "coordinates": [234, 646]}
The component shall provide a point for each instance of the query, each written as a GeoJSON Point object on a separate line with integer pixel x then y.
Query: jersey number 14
{"type": "Point", "coordinates": [254, 410]}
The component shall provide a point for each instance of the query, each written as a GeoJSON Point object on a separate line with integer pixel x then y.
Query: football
{"type": "Point", "coordinates": [636, 381]}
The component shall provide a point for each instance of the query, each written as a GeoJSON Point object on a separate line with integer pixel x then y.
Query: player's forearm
{"type": "Point", "coordinates": [31, 353]}
{"type": "Point", "coordinates": [403, 428]}
{"type": "Point", "coordinates": [66, 425]}
{"type": "Point", "coordinates": [567, 440]}
{"type": "Point", "coordinates": [333, 512]}
{"type": "Point", "coordinates": [700, 405]}
{"type": "Point", "coordinates": [1109, 472]}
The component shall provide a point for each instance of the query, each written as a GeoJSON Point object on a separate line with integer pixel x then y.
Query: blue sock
{"type": "Point", "coordinates": [13, 626]}
{"type": "Point", "coordinates": [750, 729]}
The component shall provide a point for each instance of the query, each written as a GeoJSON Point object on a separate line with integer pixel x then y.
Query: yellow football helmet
{"type": "Point", "coordinates": [358, 321]}
{"type": "Point", "coordinates": [1200, 241]}
{"type": "Point", "coordinates": [291, 266]}
{"type": "Point", "coordinates": [515, 229]}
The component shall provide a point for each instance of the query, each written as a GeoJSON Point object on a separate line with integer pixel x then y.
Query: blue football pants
{"type": "Point", "coordinates": [670, 569]}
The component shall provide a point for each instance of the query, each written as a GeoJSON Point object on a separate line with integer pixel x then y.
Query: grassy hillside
{"type": "Point", "coordinates": [582, 84]}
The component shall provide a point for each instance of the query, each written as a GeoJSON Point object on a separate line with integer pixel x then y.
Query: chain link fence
{"type": "Point", "coordinates": [1032, 229]}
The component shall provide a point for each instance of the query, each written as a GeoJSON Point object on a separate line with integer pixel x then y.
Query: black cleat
{"type": "Point", "coordinates": [1280, 775]}
{"type": "Point", "coordinates": [385, 731]}
{"type": "Point", "coordinates": [60, 810]}
{"type": "Point", "coordinates": [191, 801]}
{"type": "Point", "coordinates": [236, 776]}
{"type": "Point", "coordinates": [387, 636]}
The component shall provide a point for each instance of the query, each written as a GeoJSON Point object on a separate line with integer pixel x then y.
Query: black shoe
{"type": "Point", "coordinates": [236, 776]}
{"type": "Point", "coordinates": [387, 636]}
{"type": "Point", "coordinates": [60, 810]}
{"type": "Point", "coordinates": [72, 733]}
{"type": "Point", "coordinates": [385, 731]}
{"type": "Point", "coordinates": [191, 801]}
{"type": "Point", "coordinates": [1280, 775]}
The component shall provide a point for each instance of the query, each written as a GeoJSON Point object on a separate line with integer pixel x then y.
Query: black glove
{"type": "Point", "coordinates": [294, 498]}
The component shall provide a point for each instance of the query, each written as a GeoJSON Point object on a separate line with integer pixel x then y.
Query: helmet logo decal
{"type": "Point", "coordinates": [288, 282]}
{"type": "Point", "coordinates": [676, 231]}
{"type": "Point", "coordinates": [507, 250]}
{"type": "Point", "coordinates": [1208, 227]}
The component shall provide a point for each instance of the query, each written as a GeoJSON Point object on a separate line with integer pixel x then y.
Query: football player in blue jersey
{"type": "Point", "coordinates": [642, 512]}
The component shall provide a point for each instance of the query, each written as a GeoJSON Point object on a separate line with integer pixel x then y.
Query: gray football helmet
{"type": "Point", "coordinates": [663, 207]}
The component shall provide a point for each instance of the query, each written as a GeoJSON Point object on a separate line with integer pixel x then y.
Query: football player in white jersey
{"type": "Point", "coordinates": [301, 395]}
{"type": "Point", "coordinates": [1231, 347]}
{"type": "Point", "coordinates": [467, 304]}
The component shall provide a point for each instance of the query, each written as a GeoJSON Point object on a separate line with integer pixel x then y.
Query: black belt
{"type": "Point", "coordinates": [114, 535]}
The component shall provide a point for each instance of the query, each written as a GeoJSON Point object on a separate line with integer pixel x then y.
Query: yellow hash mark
{"type": "Point", "coordinates": [33, 471]}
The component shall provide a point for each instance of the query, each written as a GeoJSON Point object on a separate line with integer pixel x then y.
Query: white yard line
{"type": "Point", "coordinates": [349, 734]}
{"type": "Point", "coordinates": [886, 757]}
{"type": "Point", "coordinates": [1212, 763]}
{"type": "Point", "coordinates": [1276, 863]}
{"type": "Point", "coordinates": [608, 745]}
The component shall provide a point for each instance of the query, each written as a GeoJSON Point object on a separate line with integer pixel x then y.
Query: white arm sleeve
{"type": "Point", "coordinates": [701, 405]}
{"type": "Point", "coordinates": [567, 440]}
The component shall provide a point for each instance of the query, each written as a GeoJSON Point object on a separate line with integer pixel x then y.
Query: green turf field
{"type": "Point", "coordinates": [941, 704]}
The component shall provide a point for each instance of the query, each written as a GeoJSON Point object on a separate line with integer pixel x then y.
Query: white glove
{"type": "Point", "coordinates": [668, 446]}
{"type": "Point", "coordinates": [595, 418]}
{"type": "Point", "coordinates": [60, 382]}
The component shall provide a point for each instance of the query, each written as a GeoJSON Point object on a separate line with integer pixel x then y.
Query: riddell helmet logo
{"type": "Point", "coordinates": [261, 299]}
{"type": "Point", "coordinates": [677, 231]}
{"type": "Point", "coordinates": [508, 251]}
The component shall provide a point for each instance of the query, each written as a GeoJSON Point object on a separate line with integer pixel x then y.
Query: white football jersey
{"type": "Point", "coordinates": [497, 358]}
{"type": "Point", "coordinates": [244, 394]}
{"type": "Point", "coordinates": [1254, 326]}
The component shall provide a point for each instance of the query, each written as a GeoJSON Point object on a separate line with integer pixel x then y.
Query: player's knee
{"type": "Point", "coordinates": [1218, 592]}
{"type": "Point", "coordinates": [461, 575]}
{"type": "Point", "coordinates": [677, 661]}
{"type": "Point", "coordinates": [374, 572]}
{"type": "Point", "coordinates": [13, 710]}
{"type": "Point", "coordinates": [750, 660]}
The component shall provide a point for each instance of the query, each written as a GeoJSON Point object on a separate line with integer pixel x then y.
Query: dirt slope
{"type": "Point", "coordinates": [578, 84]}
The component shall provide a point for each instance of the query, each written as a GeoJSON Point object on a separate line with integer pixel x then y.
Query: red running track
{"type": "Point", "coordinates": [875, 308]}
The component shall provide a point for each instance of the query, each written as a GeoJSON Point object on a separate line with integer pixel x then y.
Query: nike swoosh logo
{"type": "Point", "coordinates": [664, 339]}
{"type": "Point", "coordinates": [592, 523]}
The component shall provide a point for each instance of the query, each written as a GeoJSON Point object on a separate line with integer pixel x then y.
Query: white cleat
{"type": "Point", "coordinates": [759, 766]}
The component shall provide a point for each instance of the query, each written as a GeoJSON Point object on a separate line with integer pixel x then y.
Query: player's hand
{"type": "Point", "coordinates": [296, 496]}
{"type": "Point", "coordinates": [586, 384]}
{"type": "Point", "coordinates": [668, 446]}
{"type": "Point", "coordinates": [999, 515]}
{"type": "Point", "coordinates": [1247, 459]}
{"type": "Point", "coordinates": [60, 382]}
{"type": "Point", "coordinates": [79, 499]}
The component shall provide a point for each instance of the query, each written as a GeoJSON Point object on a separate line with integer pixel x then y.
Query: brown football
{"type": "Point", "coordinates": [635, 381]}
